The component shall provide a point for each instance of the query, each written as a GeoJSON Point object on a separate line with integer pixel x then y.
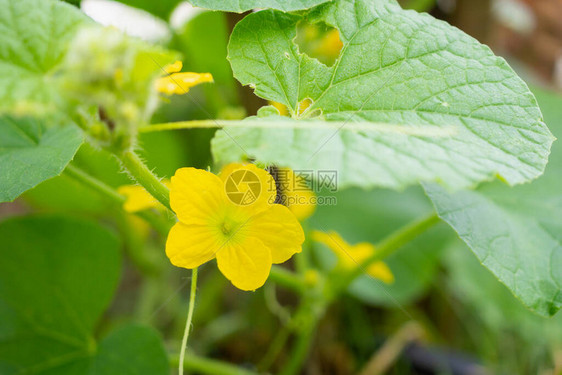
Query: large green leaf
{"type": "Point", "coordinates": [131, 350]}
{"type": "Point", "coordinates": [240, 6]}
{"type": "Point", "coordinates": [454, 112]}
{"type": "Point", "coordinates": [57, 276]}
{"type": "Point", "coordinates": [516, 232]}
{"type": "Point", "coordinates": [369, 216]}
{"type": "Point", "coordinates": [32, 151]}
{"type": "Point", "coordinates": [494, 317]}
{"type": "Point", "coordinates": [34, 35]}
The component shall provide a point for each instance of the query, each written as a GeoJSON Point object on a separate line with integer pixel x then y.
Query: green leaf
{"type": "Point", "coordinates": [369, 216]}
{"type": "Point", "coordinates": [400, 68]}
{"type": "Point", "coordinates": [32, 151]}
{"type": "Point", "coordinates": [57, 277]}
{"type": "Point", "coordinates": [240, 6]}
{"type": "Point", "coordinates": [34, 35]}
{"type": "Point", "coordinates": [516, 232]}
{"type": "Point", "coordinates": [494, 317]}
{"type": "Point", "coordinates": [67, 195]}
{"type": "Point", "coordinates": [131, 350]}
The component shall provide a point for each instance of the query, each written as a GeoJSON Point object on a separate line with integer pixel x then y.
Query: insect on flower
{"type": "Point", "coordinates": [233, 218]}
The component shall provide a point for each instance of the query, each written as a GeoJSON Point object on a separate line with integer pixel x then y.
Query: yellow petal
{"type": "Point", "coordinates": [301, 203]}
{"type": "Point", "coordinates": [331, 45]}
{"type": "Point", "coordinates": [197, 196]}
{"type": "Point", "coordinates": [279, 230]}
{"type": "Point", "coordinates": [173, 68]}
{"type": "Point", "coordinates": [249, 186]}
{"type": "Point", "coordinates": [180, 83]}
{"type": "Point", "coordinates": [190, 246]}
{"type": "Point", "coordinates": [245, 263]}
{"type": "Point", "coordinates": [380, 270]}
{"type": "Point", "coordinates": [137, 198]}
{"type": "Point", "coordinates": [283, 111]}
{"type": "Point", "coordinates": [335, 243]}
{"type": "Point", "coordinates": [228, 169]}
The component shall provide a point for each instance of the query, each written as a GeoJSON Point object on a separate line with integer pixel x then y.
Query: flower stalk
{"type": "Point", "coordinates": [189, 319]}
{"type": "Point", "coordinates": [144, 176]}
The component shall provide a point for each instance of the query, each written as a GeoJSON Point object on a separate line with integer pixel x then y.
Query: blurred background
{"type": "Point", "coordinates": [444, 314]}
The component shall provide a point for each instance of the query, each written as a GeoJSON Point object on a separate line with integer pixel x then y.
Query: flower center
{"type": "Point", "coordinates": [226, 228]}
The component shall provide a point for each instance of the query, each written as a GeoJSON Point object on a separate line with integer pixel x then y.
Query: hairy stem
{"type": "Point", "coordinates": [287, 123]}
{"type": "Point", "coordinates": [189, 319]}
{"type": "Point", "coordinates": [144, 176]}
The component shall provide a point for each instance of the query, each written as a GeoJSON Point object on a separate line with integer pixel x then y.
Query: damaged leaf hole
{"type": "Point", "coordinates": [319, 41]}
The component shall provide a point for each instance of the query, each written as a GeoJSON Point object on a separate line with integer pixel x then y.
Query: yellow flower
{"type": "Point", "coordinates": [330, 45]}
{"type": "Point", "coordinates": [349, 256]}
{"type": "Point", "coordinates": [295, 193]}
{"type": "Point", "coordinates": [231, 217]}
{"type": "Point", "coordinates": [137, 198]}
{"type": "Point", "coordinates": [180, 83]}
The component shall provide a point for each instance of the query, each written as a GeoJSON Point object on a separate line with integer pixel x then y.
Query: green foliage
{"type": "Point", "coordinates": [34, 36]}
{"type": "Point", "coordinates": [66, 194]}
{"type": "Point", "coordinates": [516, 232]}
{"type": "Point", "coordinates": [32, 151]}
{"type": "Point", "coordinates": [240, 6]}
{"type": "Point", "coordinates": [133, 349]}
{"type": "Point", "coordinates": [500, 326]}
{"type": "Point", "coordinates": [111, 71]}
{"type": "Point", "coordinates": [57, 276]}
{"type": "Point", "coordinates": [409, 99]}
{"type": "Point", "coordinates": [455, 113]}
{"type": "Point", "coordinates": [51, 291]}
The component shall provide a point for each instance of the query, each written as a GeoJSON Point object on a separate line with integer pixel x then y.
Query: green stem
{"type": "Point", "coordinates": [401, 237]}
{"type": "Point", "coordinates": [189, 319]}
{"type": "Point", "coordinates": [94, 183]}
{"type": "Point", "coordinates": [156, 221]}
{"type": "Point", "coordinates": [388, 246]}
{"type": "Point", "coordinates": [305, 321]}
{"type": "Point", "coordinates": [288, 279]}
{"type": "Point", "coordinates": [287, 123]}
{"type": "Point", "coordinates": [144, 176]}
{"type": "Point", "coordinates": [275, 348]}
{"type": "Point", "coordinates": [210, 366]}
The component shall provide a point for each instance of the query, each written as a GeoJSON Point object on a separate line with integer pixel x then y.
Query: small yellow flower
{"type": "Point", "coordinates": [330, 45]}
{"type": "Point", "coordinates": [295, 193]}
{"type": "Point", "coordinates": [180, 83]}
{"type": "Point", "coordinates": [349, 256]}
{"type": "Point", "coordinates": [231, 217]}
{"type": "Point", "coordinates": [137, 198]}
